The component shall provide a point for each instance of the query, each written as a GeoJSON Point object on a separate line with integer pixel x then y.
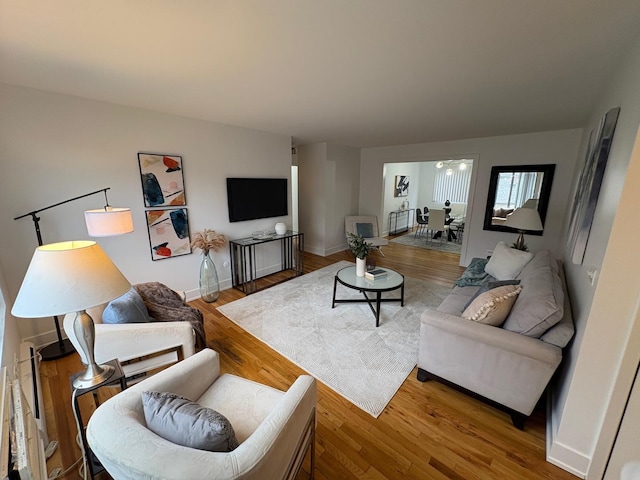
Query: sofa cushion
{"type": "Point", "coordinates": [562, 332]}
{"type": "Point", "coordinates": [541, 304]}
{"type": "Point", "coordinates": [457, 300]}
{"type": "Point", "coordinates": [492, 307]}
{"type": "Point", "coordinates": [128, 308]}
{"type": "Point", "coordinates": [365, 230]}
{"type": "Point", "coordinates": [187, 423]}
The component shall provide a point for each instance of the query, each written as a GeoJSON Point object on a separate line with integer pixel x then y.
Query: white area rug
{"type": "Point", "coordinates": [341, 347]}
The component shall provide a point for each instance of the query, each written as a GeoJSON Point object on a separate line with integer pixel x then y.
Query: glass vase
{"type": "Point", "coordinates": [209, 285]}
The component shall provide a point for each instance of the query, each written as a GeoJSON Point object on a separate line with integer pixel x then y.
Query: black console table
{"type": "Point", "coordinates": [401, 221]}
{"type": "Point", "coordinates": [244, 273]}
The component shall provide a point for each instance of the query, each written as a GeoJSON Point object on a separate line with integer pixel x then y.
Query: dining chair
{"type": "Point", "coordinates": [421, 221]}
{"type": "Point", "coordinates": [437, 223]}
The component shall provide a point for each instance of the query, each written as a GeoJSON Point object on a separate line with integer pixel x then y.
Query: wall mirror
{"type": "Point", "coordinates": [516, 186]}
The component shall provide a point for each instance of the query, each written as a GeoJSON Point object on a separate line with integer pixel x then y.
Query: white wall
{"type": "Point", "coordinates": [559, 147]}
{"type": "Point", "coordinates": [329, 190]}
{"type": "Point", "coordinates": [595, 380]}
{"type": "Point", "coordinates": [55, 147]}
{"type": "Point", "coordinates": [393, 204]}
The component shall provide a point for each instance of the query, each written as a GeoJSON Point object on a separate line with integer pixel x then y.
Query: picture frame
{"type": "Point", "coordinates": [401, 188]}
{"type": "Point", "coordinates": [589, 184]}
{"type": "Point", "coordinates": [168, 233]}
{"type": "Point", "coordinates": [162, 180]}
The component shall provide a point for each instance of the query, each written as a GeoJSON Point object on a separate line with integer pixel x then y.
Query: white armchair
{"type": "Point", "coordinates": [368, 229]}
{"type": "Point", "coordinates": [140, 347]}
{"type": "Point", "coordinates": [275, 429]}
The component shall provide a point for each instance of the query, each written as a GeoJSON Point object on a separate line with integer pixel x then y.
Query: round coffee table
{"type": "Point", "coordinates": [392, 281]}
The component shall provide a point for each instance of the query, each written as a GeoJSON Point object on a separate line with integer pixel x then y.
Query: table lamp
{"type": "Point", "coordinates": [523, 219]}
{"type": "Point", "coordinates": [71, 277]}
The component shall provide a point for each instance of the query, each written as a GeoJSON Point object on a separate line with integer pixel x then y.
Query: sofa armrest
{"type": "Point", "coordinates": [506, 367]}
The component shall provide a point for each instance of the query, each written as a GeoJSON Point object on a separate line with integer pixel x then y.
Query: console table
{"type": "Point", "coordinates": [401, 221]}
{"type": "Point", "coordinates": [243, 258]}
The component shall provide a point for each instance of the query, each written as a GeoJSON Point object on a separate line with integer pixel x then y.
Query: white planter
{"type": "Point", "coordinates": [361, 266]}
{"type": "Point", "coordinates": [281, 228]}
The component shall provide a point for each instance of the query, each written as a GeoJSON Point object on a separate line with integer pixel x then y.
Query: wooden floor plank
{"type": "Point", "coordinates": [428, 431]}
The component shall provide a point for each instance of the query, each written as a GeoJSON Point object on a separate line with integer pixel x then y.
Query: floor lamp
{"type": "Point", "coordinates": [102, 222]}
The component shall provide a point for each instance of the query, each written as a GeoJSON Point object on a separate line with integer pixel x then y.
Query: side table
{"type": "Point", "coordinates": [117, 376]}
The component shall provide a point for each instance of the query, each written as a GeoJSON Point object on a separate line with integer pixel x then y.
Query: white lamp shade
{"type": "Point", "coordinates": [68, 277]}
{"type": "Point", "coordinates": [108, 221]}
{"type": "Point", "coordinates": [524, 219]}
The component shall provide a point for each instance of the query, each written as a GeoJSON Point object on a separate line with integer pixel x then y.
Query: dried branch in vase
{"type": "Point", "coordinates": [208, 240]}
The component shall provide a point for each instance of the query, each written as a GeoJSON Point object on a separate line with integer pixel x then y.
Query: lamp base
{"type": "Point", "coordinates": [56, 350]}
{"type": "Point", "coordinates": [520, 245]}
{"type": "Point", "coordinates": [94, 375]}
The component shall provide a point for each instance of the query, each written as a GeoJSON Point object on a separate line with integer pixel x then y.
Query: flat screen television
{"type": "Point", "coordinates": [253, 198]}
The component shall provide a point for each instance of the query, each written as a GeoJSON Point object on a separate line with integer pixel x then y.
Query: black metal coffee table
{"type": "Point", "coordinates": [347, 277]}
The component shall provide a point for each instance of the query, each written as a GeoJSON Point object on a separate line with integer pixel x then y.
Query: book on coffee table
{"type": "Point", "coordinates": [375, 274]}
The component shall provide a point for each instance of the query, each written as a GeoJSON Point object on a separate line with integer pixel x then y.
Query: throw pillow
{"type": "Point", "coordinates": [186, 423]}
{"type": "Point", "coordinates": [493, 307]}
{"type": "Point", "coordinates": [490, 286]}
{"type": "Point", "coordinates": [365, 230]}
{"type": "Point", "coordinates": [506, 262]}
{"type": "Point", "coordinates": [128, 308]}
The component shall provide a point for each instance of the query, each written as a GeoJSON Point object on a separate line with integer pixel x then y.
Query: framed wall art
{"type": "Point", "coordinates": [162, 180]}
{"type": "Point", "coordinates": [589, 183]}
{"type": "Point", "coordinates": [168, 233]}
{"type": "Point", "coordinates": [401, 186]}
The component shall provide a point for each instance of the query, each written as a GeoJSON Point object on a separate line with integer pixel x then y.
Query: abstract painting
{"type": "Point", "coordinates": [588, 188]}
{"type": "Point", "coordinates": [162, 180]}
{"type": "Point", "coordinates": [402, 186]}
{"type": "Point", "coordinates": [168, 233]}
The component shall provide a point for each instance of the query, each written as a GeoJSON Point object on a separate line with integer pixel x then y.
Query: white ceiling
{"type": "Point", "coordinates": [352, 72]}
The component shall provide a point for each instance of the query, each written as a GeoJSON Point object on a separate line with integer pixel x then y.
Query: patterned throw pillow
{"type": "Point", "coordinates": [186, 423]}
{"type": "Point", "coordinates": [493, 307]}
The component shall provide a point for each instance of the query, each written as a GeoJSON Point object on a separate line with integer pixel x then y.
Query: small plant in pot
{"type": "Point", "coordinates": [360, 248]}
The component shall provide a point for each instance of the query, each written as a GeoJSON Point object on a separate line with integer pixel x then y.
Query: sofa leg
{"type": "Point", "coordinates": [518, 419]}
{"type": "Point", "coordinates": [423, 375]}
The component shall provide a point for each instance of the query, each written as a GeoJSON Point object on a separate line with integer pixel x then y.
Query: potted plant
{"type": "Point", "coordinates": [360, 248]}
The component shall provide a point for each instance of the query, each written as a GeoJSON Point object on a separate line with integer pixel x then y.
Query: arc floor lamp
{"type": "Point", "coordinates": [101, 222]}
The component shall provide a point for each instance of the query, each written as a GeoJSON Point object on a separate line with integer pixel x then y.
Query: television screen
{"type": "Point", "coordinates": [252, 198]}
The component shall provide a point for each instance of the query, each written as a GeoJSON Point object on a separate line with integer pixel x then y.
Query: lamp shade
{"type": "Point", "coordinates": [524, 219]}
{"type": "Point", "coordinates": [108, 221]}
{"type": "Point", "coordinates": [68, 277]}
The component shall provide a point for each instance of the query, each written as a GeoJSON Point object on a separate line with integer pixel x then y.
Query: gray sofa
{"type": "Point", "coordinates": [508, 366]}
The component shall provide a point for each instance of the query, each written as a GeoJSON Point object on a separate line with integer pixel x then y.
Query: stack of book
{"type": "Point", "coordinates": [376, 274]}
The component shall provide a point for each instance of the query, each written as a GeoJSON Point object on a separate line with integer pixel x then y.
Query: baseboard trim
{"type": "Point", "coordinates": [568, 458]}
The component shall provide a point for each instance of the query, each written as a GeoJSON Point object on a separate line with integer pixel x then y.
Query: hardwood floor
{"type": "Point", "coordinates": [428, 430]}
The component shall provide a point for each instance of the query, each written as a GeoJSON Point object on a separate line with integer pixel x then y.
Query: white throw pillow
{"type": "Point", "coordinates": [506, 262]}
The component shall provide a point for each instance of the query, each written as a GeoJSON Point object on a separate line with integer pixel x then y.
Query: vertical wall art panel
{"type": "Point", "coordinates": [162, 180]}
{"type": "Point", "coordinates": [588, 189]}
{"type": "Point", "coordinates": [402, 186]}
{"type": "Point", "coordinates": [168, 233]}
